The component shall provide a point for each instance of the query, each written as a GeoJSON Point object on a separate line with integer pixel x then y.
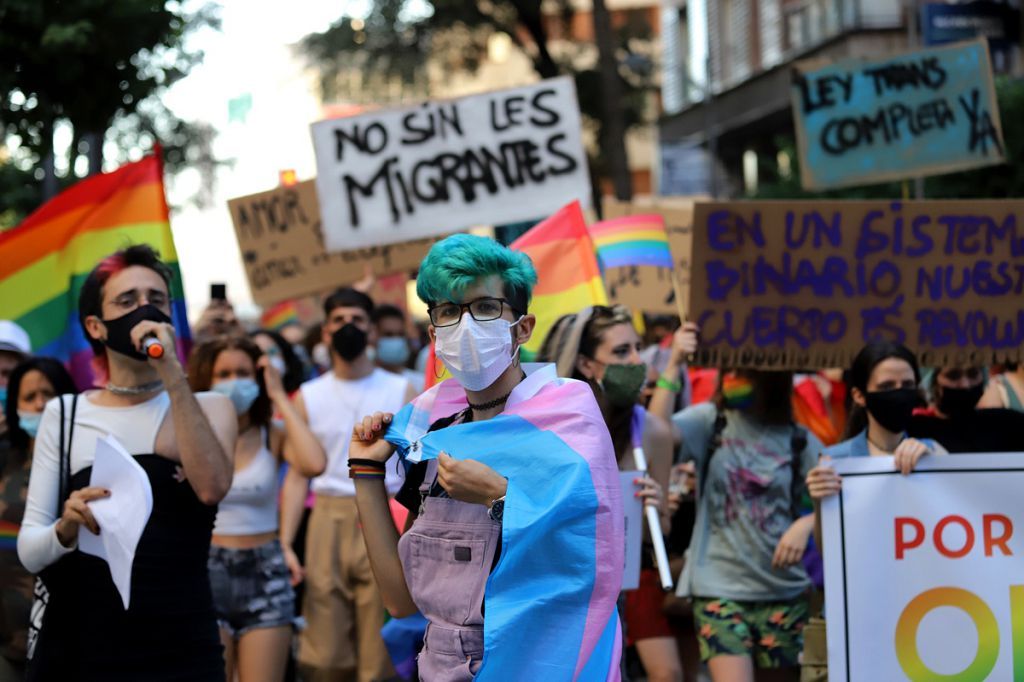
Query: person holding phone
{"type": "Point", "coordinates": [184, 443]}
{"type": "Point", "coordinates": [218, 318]}
{"type": "Point", "coordinates": [250, 573]}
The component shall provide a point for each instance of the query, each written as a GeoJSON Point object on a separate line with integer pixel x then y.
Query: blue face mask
{"type": "Point", "coordinates": [393, 350]}
{"type": "Point", "coordinates": [3, 397]}
{"type": "Point", "coordinates": [243, 393]}
{"type": "Point", "coordinates": [29, 422]}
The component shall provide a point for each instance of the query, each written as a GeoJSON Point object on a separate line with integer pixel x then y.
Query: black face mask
{"type": "Point", "coordinates": [119, 330]}
{"type": "Point", "coordinates": [957, 402]}
{"type": "Point", "coordinates": [893, 409]}
{"type": "Point", "coordinates": [349, 342]}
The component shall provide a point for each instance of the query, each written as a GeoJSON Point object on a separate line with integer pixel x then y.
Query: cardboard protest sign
{"type": "Point", "coordinates": [283, 253]}
{"type": "Point", "coordinates": [443, 166]}
{"type": "Point", "coordinates": [805, 284]}
{"type": "Point", "coordinates": [926, 112]}
{"type": "Point", "coordinates": [647, 288]}
{"type": "Point", "coordinates": [922, 572]}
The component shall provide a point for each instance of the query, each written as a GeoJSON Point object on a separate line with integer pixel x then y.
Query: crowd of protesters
{"type": "Point", "coordinates": [287, 540]}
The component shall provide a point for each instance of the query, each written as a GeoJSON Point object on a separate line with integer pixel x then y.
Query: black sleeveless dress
{"type": "Point", "coordinates": [170, 630]}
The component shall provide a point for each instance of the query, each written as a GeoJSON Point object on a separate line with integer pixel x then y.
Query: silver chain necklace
{"type": "Point", "coordinates": [141, 389]}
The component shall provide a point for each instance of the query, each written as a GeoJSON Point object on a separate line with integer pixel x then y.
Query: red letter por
{"type": "Point", "coordinates": [903, 543]}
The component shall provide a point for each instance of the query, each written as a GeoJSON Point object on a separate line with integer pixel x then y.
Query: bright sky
{"type": "Point", "coordinates": [251, 54]}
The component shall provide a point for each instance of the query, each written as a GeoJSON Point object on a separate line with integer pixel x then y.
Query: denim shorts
{"type": "Point", "coordinates": [251, 588]}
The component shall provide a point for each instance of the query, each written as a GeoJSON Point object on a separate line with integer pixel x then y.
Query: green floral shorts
{"type": "Point", "coordinates": [770, 633]}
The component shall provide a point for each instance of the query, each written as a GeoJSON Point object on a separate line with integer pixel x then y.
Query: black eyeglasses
{"type": "Point", "coordinates": [482, 310]}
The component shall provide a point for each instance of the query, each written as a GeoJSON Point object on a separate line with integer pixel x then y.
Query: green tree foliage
{"type": "Point", "coordinates": [991, 182]}
{"type": "Point", "coordinates": [97, 66]}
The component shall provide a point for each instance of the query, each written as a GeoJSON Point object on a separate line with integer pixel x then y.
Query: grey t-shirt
{"type": "Point", "coordinates": [745, 507]}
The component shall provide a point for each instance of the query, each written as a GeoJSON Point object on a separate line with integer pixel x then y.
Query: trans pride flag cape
{"type": "Point", "coordinates": [550, 601]}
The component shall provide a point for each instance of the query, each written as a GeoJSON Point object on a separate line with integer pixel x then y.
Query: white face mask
{"type": "Point", "coordinates": [476, 353]}
{"type": "Point", "coordinates": [277, 362]}
{"type": "Point", "coordinates": [321, 356]}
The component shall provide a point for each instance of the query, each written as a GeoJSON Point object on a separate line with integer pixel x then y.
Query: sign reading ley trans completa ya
{"type": "Point", "coordinates": [865, 121]}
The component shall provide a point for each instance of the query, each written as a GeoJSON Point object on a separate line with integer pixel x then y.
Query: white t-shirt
{"type": "Point", "coordinates": [333, 406]}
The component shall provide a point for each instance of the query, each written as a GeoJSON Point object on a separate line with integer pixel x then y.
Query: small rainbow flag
{"type": "Point", "coordinates": [8, 536]}
{"type": "Point", "coordinates": [280, 315]}
{"type": "Point", "coordinates": [47, 257]}
{"type": "Point", "coordinates": [632, 240]}
{"type": "Point", "coordinates": [568, 278]}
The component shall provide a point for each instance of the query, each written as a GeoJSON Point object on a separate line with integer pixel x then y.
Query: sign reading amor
{"type": "Point", "coordinates": [805, 284]}
{"type": "Point", "coordinates": [443, 166]}
{"type": "Point", "coordinates": [921, 113]}
{"type": "Point", "coordinates": [923, 573]}
{"type": "Point", "coordinates": [283, 252]}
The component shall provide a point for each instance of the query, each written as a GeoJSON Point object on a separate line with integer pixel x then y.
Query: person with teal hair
{"type": "Point", "coordinates": [456, 263]}
{"type": "Point", "coordinates": [511, 485]}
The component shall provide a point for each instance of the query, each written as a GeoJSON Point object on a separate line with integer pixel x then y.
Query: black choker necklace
{"type": "Point", "coordinates": [491, 404]}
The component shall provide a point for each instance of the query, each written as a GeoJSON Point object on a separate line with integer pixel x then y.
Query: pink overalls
{"type": "Point", "coordinates": [447, 556]}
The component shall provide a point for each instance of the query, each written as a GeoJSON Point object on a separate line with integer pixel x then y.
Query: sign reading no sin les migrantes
{"type": "Point", "coordinates": [446, 165]}
{"type": "Point", "coordinates": [926, 112]}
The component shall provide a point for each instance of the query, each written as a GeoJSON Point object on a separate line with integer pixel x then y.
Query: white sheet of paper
{"type": "Point", "coordinates": [121, 517]}
{"type": "Point", "coordinates": [633, 508]}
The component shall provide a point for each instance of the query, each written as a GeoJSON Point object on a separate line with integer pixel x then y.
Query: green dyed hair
{"type": "Point", "coordinates": [453, 264]}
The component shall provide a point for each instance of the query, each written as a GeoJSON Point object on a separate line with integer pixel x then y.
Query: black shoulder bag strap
{"type": "Point", "coordinates": [45, 660]}
{"type": "Point", "coordinates": [797, 443]}
{"type": "Point", "coordinates": [64, 483]}
{"type": "Point", "coordinates": [714, 442]}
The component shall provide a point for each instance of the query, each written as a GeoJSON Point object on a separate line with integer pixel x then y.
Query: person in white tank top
{"type": "Point", "coordinates": [249, 575]}
{"type": "Point", "coordinates": [183, 442]}
{"type": "Point", "coordinates": [342, 605]}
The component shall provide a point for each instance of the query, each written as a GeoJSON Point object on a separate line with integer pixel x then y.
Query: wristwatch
{"type": "Point", "coordinates": [497, 509]}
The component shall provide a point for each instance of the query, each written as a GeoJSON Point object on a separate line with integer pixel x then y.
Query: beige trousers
{"type": "Point", "coordinates": [342, 607]}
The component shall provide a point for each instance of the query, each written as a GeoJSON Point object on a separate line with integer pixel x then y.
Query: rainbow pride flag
{"type": "Point", "coordinates": [568, 278]}
{"type": "Point", "coordinates": [631, 240]}
{"type": "Point", "coordinates": [280, 315]}
{"type": "Point", "coordinates": [550, 601]}
{"type": "Point", "coordinates": [45, 259]}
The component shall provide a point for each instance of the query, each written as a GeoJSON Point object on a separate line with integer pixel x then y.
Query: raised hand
{"type": "Point", "coordinates": [822, 480]}
{"type": "Point", "coordinates": [368, 438]}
